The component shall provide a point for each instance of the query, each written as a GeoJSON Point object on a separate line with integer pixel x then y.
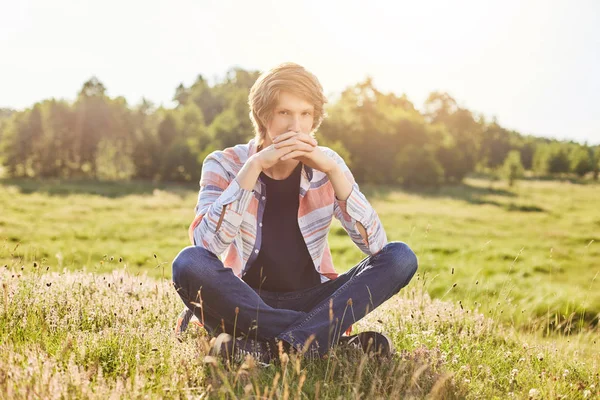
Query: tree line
{"type": "Point", "coordinates": [384, 138]}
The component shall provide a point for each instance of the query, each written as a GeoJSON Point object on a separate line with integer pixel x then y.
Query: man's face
{"type": "Point", "coordinates": [292, 113]}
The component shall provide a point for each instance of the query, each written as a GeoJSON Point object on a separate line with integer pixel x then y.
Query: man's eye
{"type": "Point", "coordinates": [307, 113]}
{"type": "Point", "coordinates": [283, 112]}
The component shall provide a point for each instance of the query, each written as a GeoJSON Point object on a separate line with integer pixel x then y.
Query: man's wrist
{"type": "Point", "coordinates": [255, 164]}
{"type": "Point", "coordinates": [335, 169]}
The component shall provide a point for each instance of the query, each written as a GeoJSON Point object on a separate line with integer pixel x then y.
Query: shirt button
{"type": "Point", "coordinates": [260, 224]}
{"type": "Point", "coordinates": [264, 198]}
{"type": "Point", "coordinates": [256, 251]}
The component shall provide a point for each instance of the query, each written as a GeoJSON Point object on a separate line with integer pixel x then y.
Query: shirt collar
{"type": "Point", "coordinates": [305, 179]}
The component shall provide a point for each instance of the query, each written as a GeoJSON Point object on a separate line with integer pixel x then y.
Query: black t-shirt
{"type": "Point", "coordinates": [283, 263]}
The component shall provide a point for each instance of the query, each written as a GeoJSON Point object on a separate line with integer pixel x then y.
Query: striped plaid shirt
{"type": "Point", "coordinates": [228, 218]}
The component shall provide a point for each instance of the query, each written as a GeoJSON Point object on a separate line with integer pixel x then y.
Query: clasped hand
{"type": "Point", "coordinates": [298, 146]}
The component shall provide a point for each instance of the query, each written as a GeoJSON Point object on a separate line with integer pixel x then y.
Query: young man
{"type": "Point", "coordinates": [266, 207]}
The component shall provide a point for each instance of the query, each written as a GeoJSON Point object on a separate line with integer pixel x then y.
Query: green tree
{"type": "Point", "coordinates": [512, 168]}
{"type": "Point", "coordinates": [582, 160]}
{"type": "Point", "coordinates": [11, 144]}
{"type": "Point", "coordinates": [595, 162]}
{"type": "Point", "coordinates": [233, 126]}
{"type": "Point", "coordinates": [146, 152]}
{"type": "Point", "coordinates": [558, 161]}
{"type": "Point", "coordinates": [93, 120]}
{"type": "Point", "coordinates": [495, 145]}
{"type": "Point", "coordinates": [180, 161]}
{"type": "Point", "coordinates": [56, 153]}
{"type": "Point", "coordinates": [527, 150]}
{"type": "Point", "coordinates": [22, 137]}
{"type": "Point", "coordinates": [417, 166]}
{"type": "Point", "coordinates": [374, 127]}
{"type": "Point", "coordinates": [458, 154]}
{"type": "Point", "coordinates": [5, 114]}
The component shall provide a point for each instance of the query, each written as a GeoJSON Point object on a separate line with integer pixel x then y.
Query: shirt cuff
{"type": "Point", "coordinates": [356, 205]}
{"type": "Point", "coordinates": [231, 194]}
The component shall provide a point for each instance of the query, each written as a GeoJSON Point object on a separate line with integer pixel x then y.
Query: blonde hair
{"type": "Point", "coordinates": [288, 77]}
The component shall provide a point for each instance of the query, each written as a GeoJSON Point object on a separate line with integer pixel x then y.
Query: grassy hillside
{"type": "Point", "coordinates": [529, 255]}
{"type": "Point", "coordinates": [83, 335]}
{"type": "Point", "coordinates": [505, 303]}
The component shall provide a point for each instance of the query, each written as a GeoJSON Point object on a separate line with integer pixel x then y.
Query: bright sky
{"type": "Point", "coordinates": [535, 65]}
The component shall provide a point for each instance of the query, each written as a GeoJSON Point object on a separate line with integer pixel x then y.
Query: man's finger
{"type": "Point", "coordinates": [300, 137]}
{"type": "Point", "coordinates": [295, 153]}
{"type": "Point", "coordinates": [293, 142]}
{"type": "Point", "coordinates": [285, 136]}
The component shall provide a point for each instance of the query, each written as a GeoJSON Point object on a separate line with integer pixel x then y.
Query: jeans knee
{"type": "Point", "coordinates": [180, 263]}
{"type": "Point", "coordinates": [403, 259]}
{"type": "Point", "coordinates": [187, 259]}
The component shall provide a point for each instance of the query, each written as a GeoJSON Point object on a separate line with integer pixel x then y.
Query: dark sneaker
{"type": "Point", "coordinates": [369, 342]}
{"type": "Point", "coordinates": [183, 321]}
{"type": "Point", "coordinates": [236, 350]}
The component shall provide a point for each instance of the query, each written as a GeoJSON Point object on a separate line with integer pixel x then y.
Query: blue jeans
{"type": "Point", "coordinates": [225, 303]}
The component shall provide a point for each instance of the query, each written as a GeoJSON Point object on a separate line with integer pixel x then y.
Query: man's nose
{"type": "Point", "coordinates": [295, 124]}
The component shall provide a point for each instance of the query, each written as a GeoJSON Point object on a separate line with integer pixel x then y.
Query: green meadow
{"type": "Point", "coordinates": [506, 302]}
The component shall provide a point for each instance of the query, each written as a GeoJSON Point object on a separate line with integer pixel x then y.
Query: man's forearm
{"type": "Point", "coordinates": [341, 185]}
{"type": "Point", "coordinates": [248, 175]}
{"type": "Point", "coordinates": [342, 188]}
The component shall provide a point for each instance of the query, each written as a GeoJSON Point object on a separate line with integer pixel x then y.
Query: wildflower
{"type": "Point", "coordinates": [210, 360]}
{"type": "Point", "coordinates": [587, 393]}
{"type": "Point", "coordinates": [534, 394]}
{"type": "Point", "coordinates": [540, 356]}
{"type": "Point", "coordinates": [514, 372]}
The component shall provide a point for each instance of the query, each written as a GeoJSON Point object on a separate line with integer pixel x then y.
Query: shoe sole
{"type": "Point", "coordinates": [371, 343]}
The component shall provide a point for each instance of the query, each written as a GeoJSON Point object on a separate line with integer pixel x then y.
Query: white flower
{"type": "Point", "coordinates": [534, 394]}
{"type": "Point", "coordinates": [587, 393]}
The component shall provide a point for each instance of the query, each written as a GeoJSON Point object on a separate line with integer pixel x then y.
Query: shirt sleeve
{"type": "Point", "coordinates": [356, 208]}
{"type": "Point", "coordinates": [220, 207]}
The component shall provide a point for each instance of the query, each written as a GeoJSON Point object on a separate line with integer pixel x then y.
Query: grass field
{"type": "Point", "coordinates": [506, 302]}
